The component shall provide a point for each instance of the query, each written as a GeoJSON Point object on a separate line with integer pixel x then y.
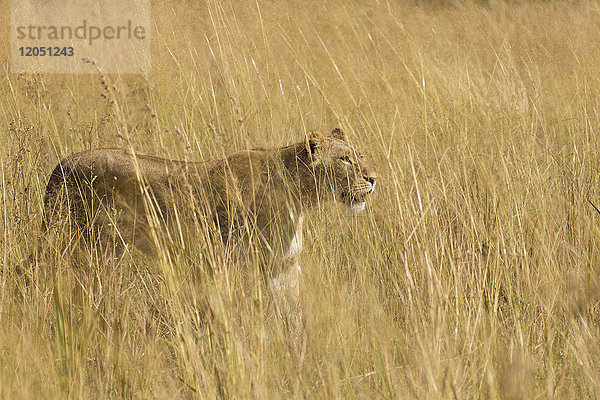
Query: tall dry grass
{"type": "Point", "coordinates": [472, 274]}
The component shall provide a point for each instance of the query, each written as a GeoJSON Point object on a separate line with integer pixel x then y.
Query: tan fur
{"type": "Point", "coordinates": [258, 197]}
{"type": "Point", "coordinates": [266, 190]}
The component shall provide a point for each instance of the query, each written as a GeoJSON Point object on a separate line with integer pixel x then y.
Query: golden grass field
{"type": "Point", "coordinates": [474, 272]}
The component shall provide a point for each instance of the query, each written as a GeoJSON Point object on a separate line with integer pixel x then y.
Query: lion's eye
{"type": "Point", "coordinates": [346, 159]}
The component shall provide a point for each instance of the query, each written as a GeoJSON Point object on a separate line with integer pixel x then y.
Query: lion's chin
{"type": "Point", "coordinates": [356, 208]}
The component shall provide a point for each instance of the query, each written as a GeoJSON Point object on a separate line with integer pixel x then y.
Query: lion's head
{"type": "Point", "coordinates": [340, 170]}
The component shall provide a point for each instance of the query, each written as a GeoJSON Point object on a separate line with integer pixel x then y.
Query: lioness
{"type": "Point", "coordinates": [253, 196]}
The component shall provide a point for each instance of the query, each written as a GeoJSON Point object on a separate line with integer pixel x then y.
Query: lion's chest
{"type": "Point", "coordinates": [294, 247]}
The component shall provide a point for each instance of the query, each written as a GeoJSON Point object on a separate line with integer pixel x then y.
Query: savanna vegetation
{"type": "Point", "coordinates": [473, 273]}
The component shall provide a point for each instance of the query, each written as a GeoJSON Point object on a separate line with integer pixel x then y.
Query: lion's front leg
{"type": "Point", "coordinates": [286, 293]}
{"type": "Point", "coordinates": [285, 286]}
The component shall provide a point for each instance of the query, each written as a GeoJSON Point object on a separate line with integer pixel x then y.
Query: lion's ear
{"type": "Point", "coordinates": [313, 141]}
{"type": "Point", "coordinates": [339, 134]}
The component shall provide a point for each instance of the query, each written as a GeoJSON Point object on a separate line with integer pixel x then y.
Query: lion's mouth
{"type": "Point", "coordinates": [354, 201]}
